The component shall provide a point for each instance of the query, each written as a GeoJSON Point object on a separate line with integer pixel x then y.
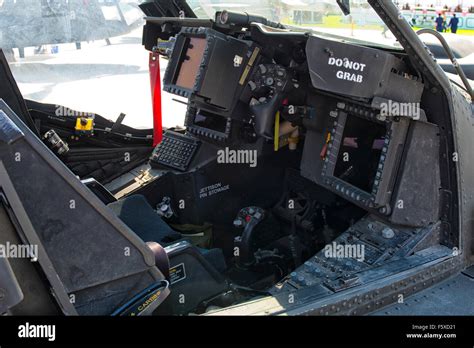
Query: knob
{"type": "Point", "coordinates": [301, 280]}
{"type": "Point", "coordinates": [308, 266]}
{"type": "Point", "coordinates": [388, 233]}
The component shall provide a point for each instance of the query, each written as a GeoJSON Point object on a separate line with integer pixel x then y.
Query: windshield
{"type": "Point", "coordinates": [362, 24]}
{"type": "Point", "coordinates": [88, 54]}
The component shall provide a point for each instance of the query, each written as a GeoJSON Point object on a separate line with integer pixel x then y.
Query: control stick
{"type": "Point", "coordinates": [269, 84]}
{"type": "Point", "coordinates": [247, 219]}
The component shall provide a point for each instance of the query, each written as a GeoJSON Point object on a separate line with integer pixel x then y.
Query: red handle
{"type": "Point", "coordinates": [155, 79]}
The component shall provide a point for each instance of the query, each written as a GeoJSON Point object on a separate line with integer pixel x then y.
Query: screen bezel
{"type": "Point", "coordinates": [209, 133]}
{"type": "Point", "coordinates": [173, 69]}
{"type": "Point", "coordinates": [374, 199]}
{"type": "Point", "coordinates": [352, 138]}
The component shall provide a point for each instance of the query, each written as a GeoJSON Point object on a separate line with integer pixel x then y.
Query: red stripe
{"type": "Point", "coordinates": [155, 79]}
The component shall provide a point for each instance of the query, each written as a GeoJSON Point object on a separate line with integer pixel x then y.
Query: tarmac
{"type": "Point", "coordinates": [103, 79]}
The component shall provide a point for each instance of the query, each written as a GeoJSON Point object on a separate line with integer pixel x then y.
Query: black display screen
{"type": "Point", "coordinates": [360, 151]}
{"type": "Point", "coordinates": [210, 121]}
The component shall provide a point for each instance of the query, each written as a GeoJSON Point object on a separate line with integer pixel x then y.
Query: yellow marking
{"type": "Point", "coordinates": [149, 301]}
{"type": "Point", "coordinates": [328, 138]}
{"type": "Point", "coordinates": [244, 75]}
{"type": "Point", "coordinates": [254, 56]}
{"type": "Point", "coordinates": [252, 59]}
{"type": "Point", "coordinates": [277, 132]}
{"type": "Point", "coordinates": [84, 127]}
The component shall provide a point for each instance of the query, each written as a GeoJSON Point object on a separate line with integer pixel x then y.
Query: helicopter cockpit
{"type": "Point", "coordinates": [301, 169]}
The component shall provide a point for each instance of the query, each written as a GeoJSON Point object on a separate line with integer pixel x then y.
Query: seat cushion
{"type": "Point", "coordinates": [137, 213]}
{"type": "Point", "coordinates": [140, 217]}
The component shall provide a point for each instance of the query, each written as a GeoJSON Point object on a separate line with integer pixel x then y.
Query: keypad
{"type": "Point", "coordinates": [175, 150]}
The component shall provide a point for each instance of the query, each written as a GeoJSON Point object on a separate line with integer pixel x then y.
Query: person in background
{"type": "Point", "coordinates": [453, 24]}
{"type": "Point", "coordinates": [439, 23]}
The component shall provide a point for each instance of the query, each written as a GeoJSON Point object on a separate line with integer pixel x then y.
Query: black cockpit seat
{"type": "Point", "coordinates": [140, 217]}
{"type": "Point", "coordinates": [138, 214]}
